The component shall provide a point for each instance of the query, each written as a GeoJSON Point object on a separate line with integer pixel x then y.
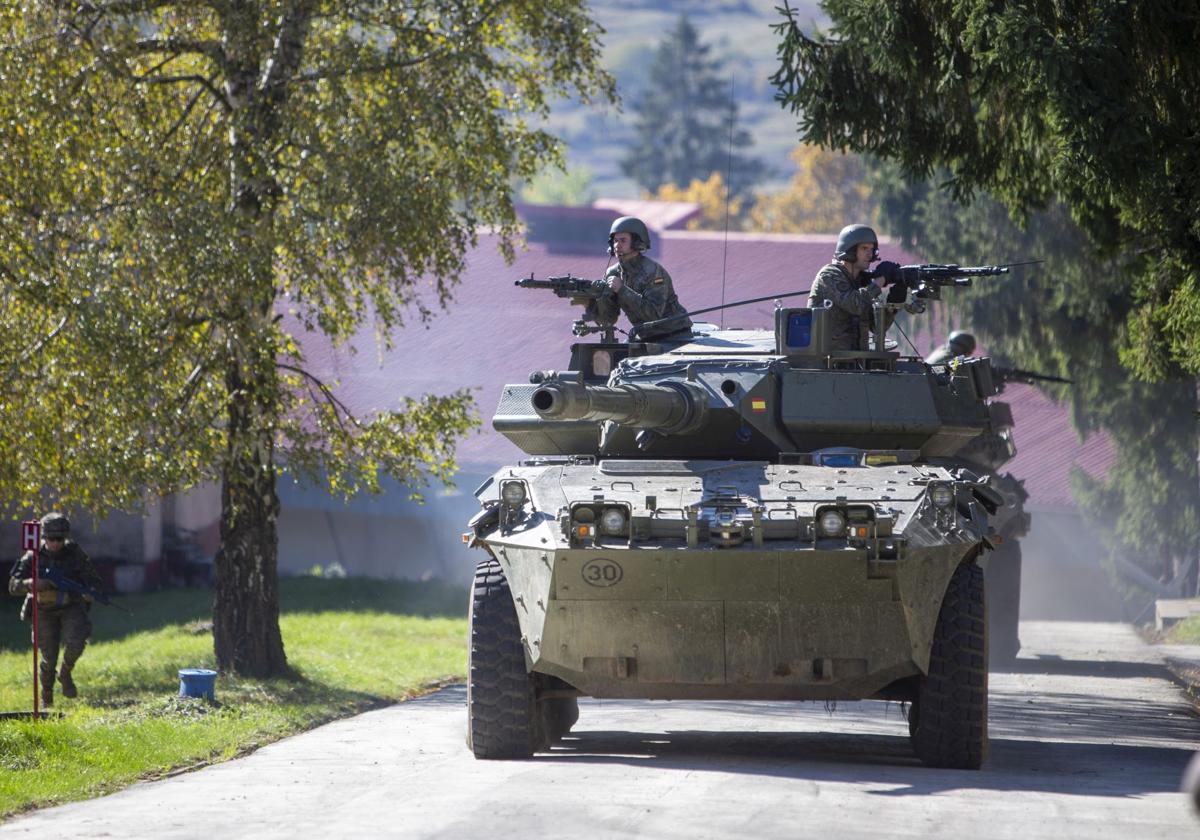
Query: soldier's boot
{"type": "Point", "coordinates": [68, 684]}
{"type": "Point", "coordinates": [48, 693]}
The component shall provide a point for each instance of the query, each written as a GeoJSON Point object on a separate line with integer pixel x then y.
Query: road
{"type": "Point", "coordinates": [1089, 739]}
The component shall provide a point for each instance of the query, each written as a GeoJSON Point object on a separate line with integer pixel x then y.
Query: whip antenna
{"type": "Point", "coordinates": [728, 184]}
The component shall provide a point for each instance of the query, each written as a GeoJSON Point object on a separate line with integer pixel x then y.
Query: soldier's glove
{"type": "Point", "coordinates": [888, 271]}
{"type": "Point", "coordinates": [44, 585]}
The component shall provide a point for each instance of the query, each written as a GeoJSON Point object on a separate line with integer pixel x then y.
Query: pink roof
{"type": "Point", "coordinates": [495, 333]}
{"type": "Point", "coordinates": [1048, 447]}
{"type": "Point", "coordinates": [658, 215]}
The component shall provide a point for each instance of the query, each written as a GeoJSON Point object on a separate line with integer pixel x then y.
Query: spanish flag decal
{"type": "Point", "coordinates": [758, 405]}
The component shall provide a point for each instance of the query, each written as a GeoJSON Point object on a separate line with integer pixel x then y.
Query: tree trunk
{"type": "Point", "coordinates": [246, 633]}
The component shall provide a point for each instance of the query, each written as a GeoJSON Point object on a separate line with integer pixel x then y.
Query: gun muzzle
{"type": "Point", "coordinates": [671, 408]}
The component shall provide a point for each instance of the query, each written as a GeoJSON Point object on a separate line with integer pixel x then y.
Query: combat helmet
{"type": "Point", "coordinates": [851, 237]}
{"type": "Point", "coordinates": [961, 343]}
{"type": "Point", "coordinates": [631, 225]}
{"type": "Point", "coordinates": [55, 525]}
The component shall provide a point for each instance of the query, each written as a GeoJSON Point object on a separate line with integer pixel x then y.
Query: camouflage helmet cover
{"type": "Point", "coordinates": [851, 237]}
{"type": "Point", "coordinates": [962, 343]}
{"type": "Point", "coordinates": [55, 525]}
{"type": "Point", "coordinates": [634, 226]}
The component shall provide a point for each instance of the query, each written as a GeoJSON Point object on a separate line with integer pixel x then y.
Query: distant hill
{"type": "Point", "coordinates": [740, 36]}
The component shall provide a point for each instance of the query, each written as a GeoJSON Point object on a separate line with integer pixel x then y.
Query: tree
{"type": "Point", "coordinates": [828, 192]}
{"type": "Point", "coordinates": [564, 187]}
{"type": "Point", "coordinates": [717, 208]}
{"type": "Point", "coordinates": [1094, 103]}
{"type": "Point", "coordinates": [1068, 316]}
{"type": "Point", "coordinates": [686, 118]}
{"type": "Point", "coordinates": [180, 175]}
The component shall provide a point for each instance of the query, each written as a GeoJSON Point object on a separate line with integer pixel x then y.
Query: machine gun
{"type": "Point", "coordinates": [1028, 377]}
{"type": "Point", "coordinates": [926, 281]}
{"type": "Point", "coordinates": [65, 584]}
{"type": "Point", "coordinates": [580, 291]}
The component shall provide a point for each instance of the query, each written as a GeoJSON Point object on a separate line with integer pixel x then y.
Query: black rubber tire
{"type": "Point", "coordinates": [1003, 582]}
{"type": "Point", "coordinates": [559, 714]}
{"type": "Point", "coordinates": [502, 719]}
{"type": "Point", "coordinates": [948, 721]}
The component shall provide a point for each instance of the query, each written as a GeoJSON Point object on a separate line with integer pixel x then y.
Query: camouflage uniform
{"type": "Point", "coordinates": [941, 355]}
{"type": "Point", "coordinates": [647, 295]}
{"type": "Point", "coordinates": [851, 314]}
{"type": "Point", "coordinates": [62, 616]}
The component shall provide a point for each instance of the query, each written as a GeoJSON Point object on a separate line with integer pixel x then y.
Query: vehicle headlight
{"type": "Point", "coordinates": [941, 495]}
{"type": "Point", "coordinates": [512, 493]}
{"type": "Point", "coordinates": [831, 523]}
{"type": "Point", "coordinates": [612, 522]}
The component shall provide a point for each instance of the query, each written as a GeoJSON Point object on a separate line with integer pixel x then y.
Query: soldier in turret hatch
{"type": "Point", "coordinates": [843, 284]}
{"type": "Point", "coordinates": [641, 288]}
{"type": "Point", "coordinates": [958, 344]}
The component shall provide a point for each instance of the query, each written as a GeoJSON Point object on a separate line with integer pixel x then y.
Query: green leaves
{"type": "Point", "coordinates": [175, 176]}
{"type": "Point", "coordinates": [1095, 104]}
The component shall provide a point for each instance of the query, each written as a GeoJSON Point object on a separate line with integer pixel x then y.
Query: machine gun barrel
{"type": "Point", "coordinates": [1007, 374]}
{"type": "Point", "coordinates": [671, 408]}
{"type": "Point", "coordinates": [567, 286]}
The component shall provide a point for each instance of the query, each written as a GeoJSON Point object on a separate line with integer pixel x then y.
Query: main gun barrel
{"type": "Point", "coordinates": [672, 408]}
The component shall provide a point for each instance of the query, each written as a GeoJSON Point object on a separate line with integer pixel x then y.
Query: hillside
{"type": "Point", "coordinates": [740, 36]}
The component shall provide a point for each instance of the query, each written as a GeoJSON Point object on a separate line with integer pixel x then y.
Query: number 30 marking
{"type": "Point", "coordinates": [602, 572]}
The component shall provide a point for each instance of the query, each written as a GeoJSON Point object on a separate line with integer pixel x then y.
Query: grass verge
{"type": "Point", "coordinates": [1186, 632]}
{"type": "Point", "coordinates": [354, 644]}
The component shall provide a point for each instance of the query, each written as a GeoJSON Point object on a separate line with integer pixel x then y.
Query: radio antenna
{"type": "Point", "coordinates": [728, 184]}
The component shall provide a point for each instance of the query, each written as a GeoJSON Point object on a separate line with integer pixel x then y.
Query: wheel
{"type": "Point", "coordinates": [559, 714]}
{"type": "Point", "coordinates": [948, 721]}
{"type": "Point", "coordinates": [502, 719]}
{"type": "Point", "coordinates": [1003, 581]}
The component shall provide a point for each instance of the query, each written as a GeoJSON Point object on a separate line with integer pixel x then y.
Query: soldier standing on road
{"type": "Point", "coordinates": [62, 616]}
{"type": "Point", "coordinates": [641, 288]}
{"type": "Point", "coordinates": [841, 284]}
{"type": "Point", "coordinates": [958, 344]}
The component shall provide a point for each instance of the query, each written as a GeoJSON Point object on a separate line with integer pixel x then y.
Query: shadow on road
{"type": "Point", "coordinates": [888, 761]}
{"type": "Point", "coordinates": [1056, 666]}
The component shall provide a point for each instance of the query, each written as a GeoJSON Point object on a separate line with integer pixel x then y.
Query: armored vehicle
{"type": "Point", "coordinates": [745, 514]}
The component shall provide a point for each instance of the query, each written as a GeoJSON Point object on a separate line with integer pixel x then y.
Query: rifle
{"type": "Point", "coordinates": [65, 584]}
{"type": "Point", "coordinates": [580, 291]}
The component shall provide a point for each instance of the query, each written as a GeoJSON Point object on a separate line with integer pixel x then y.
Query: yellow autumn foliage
{"type": "Point", "coordinates": [827, 192]}
{"type": "Point", "coordinates": [710, 195]}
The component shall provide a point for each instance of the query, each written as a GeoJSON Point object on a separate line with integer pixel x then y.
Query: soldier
{"type": "Point", "coordinates": [641, 288]}
{"type": "Point", "coordinates": [958, 344]}
{"type": "Point", "coordinates": [62, 616]}
{"type": "Point", "coordinates": [852, 296]}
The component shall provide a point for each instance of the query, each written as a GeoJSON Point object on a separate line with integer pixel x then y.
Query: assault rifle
{"type": "Point", "coordinates": [581, 291]}
{"type": "Point", "coordinates": [65, 584]}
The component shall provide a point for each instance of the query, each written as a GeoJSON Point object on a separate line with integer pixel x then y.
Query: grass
{"type": "Point", "coordinates": [1186, 632]}
{"type": "Point", "coordinates": [354, 644]}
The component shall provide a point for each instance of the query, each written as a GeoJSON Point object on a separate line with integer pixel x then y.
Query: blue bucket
{"type": "Point", "coordinates": [198, 682]}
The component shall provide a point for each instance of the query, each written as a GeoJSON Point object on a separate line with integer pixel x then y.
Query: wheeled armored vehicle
{"type": "Point", "coordinates": [741, 514]}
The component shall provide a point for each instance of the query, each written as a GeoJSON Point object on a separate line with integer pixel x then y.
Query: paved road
{"type": "Point", "coordinates": [1089, 740]}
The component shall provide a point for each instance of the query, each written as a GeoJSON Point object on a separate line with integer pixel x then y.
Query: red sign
{"type": "Point", "coordinates": [31, 535]}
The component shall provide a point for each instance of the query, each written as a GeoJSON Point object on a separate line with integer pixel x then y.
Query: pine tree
{"type": "Point", "coordinates": [684, 117]}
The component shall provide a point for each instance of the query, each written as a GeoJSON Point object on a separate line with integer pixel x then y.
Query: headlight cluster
{"type": "Point", "coordinates": [855, 523]}
{"type": "Point", "coordinates": [587, 521]}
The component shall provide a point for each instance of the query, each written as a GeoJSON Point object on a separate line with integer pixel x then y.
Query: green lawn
{"type": "Point", "coordinates": [1186, 632]}
{"type": "Point", "coordinates": [354, 644]}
